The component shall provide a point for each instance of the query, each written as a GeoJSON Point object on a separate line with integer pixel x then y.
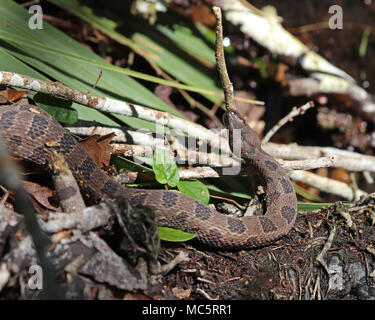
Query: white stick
{"type": "Point", "coordinates": [112, 105]}
{"type": "Point", "coordinates": [325, 184]}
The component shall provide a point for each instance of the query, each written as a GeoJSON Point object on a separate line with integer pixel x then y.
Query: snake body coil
{"type": "Point", "coordinates": [27, 129]}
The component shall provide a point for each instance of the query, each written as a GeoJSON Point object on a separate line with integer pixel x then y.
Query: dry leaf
{"type": "Point", "coordinates": [14, 95]}
{"type": "Point", "coordinates": [99, 148]}
{"type": "Point", "coordinates": [181, 293]}
{"type": "Point", "coordinates": [40, 194]}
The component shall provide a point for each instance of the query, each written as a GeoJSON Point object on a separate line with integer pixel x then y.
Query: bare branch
{"type": "Point", "coordinates": [348, 160]}
{"type": "Point", "coordinates": [289, 117]}
{"type": "Point", "coordinates": [325, 184]}
{"type": "Point", "coordinates": [220, 59]}
{"type": "Point", "coordinates": [66, 186]}
{"type": "Point", "coordinates": [111, 105]}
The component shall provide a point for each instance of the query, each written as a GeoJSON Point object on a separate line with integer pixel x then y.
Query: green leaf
{"type": "Point", "coordinates": [303, 206]}
{"type": "Point", "coordinates": [195, 189]}
{"type": "Point", "coordinates": [123, 164]}
{"type": "Point", "coordinates": [144, 160]}
{"type": "Point", "coordinates": [166, 170]}
{"type": "Point", "coordinates": [187, 40]}
{"type": "Point", "coordinates": [58, 108]}
{"type": "Point", "coordinates": [11, 64]}
{"type": "Point", "coordinates": [302, 192]}
{"type": "Point", "coordinates": [178, 67]}
{"type": "Point", "coordinates": [161, 54]}
{"type": "Point", "coordinates": [57, 55]}
{"type": "Point", "coordinates": [217, 191]}
{"type": "Point", "coordinates": [364, 41]}
{"type": "Point", "coordinates": [174, 235]}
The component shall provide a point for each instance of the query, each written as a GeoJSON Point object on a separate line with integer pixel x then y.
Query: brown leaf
{"type": "Point", "coordinates": [98, 148]}
{"type": "Point", "coordinates": [181, 293]}
{"type": "Point", "coordinates": [7, 94]}
{"type": "Point", "coordinates": [40, 194]}
{"type": "Point", "coordinates": [14, 95]}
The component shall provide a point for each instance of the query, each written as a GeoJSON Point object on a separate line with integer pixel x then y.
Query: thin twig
{"type": "Point", "coordinates": [327, 246]}
{"type": "Point", "coordinates": [66, 186]}
{"type": "Point", "coordinates": [96, 82]}
{"type": "Point", "coordinates": [181, 257]}
{"type": "Point", "coordinates": [354, 185]}
{"type": "Point", "coordinates": [220, 59]}
{"type": "Point", "coordinates": [205, 280]}
{"type": "Point", "coordinates": [289, 117]}
{"type": "Point", "coordinates": [368, 177]}
{"type": "Point", "coordinates": [341, 210]}
{"type": "Point", "coordinates": [206, 295]}
{"type": "Point", "coordinates": [348, 160]}
{"type": "Point", "coordinates": [316, 291]}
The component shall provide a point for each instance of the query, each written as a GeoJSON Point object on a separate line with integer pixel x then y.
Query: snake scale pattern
{"type": "Point", "coordinates": [27, 131]}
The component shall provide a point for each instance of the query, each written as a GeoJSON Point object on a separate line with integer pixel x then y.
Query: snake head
{"type": "Point", "coordinates": [240, 134]}
{"type": "Point", "coordinates": [233, 120]}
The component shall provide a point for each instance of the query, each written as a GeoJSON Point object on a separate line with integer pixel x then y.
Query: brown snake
{"type": "Point", "coordinates": [27, 129]}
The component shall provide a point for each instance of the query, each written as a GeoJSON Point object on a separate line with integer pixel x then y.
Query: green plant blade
{"type": "Point", "coordinates": [165, 168]}
{"type": "Point", "coordinates": [174, 235]}
{"type": "Point", "coordinates": [151, 43]}
{"type": "Point", "coordinates": [195, 189]}
{"type": "Point", "coordinates": [303, 206]}
{"type": "Point", "coordinates": [50, 49]}
{"type": "Point", "coordinates": [60, 109]}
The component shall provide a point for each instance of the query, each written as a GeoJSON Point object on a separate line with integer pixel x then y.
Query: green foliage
{"type": "Point", "coordinates": [52, 52]}
{"type": "Point", "coordinates": [165, 168]}
{"type": "Point", "coordinates": [60, 109]}
{"type": "Point", "coordinates": [303, 206]}
{"type": "Point", "coordinates": [195, 189]}
{"type": "Point", "coordinates": [302, 192]}
{"type": "Point", "coordinates": [174, 235]}
{"type": "Point", "coordinates": [159, 44]}
{"type": "Point", "coordinates": [364, 42]}
{"type": "Point", "coordinates": [123, 164]}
